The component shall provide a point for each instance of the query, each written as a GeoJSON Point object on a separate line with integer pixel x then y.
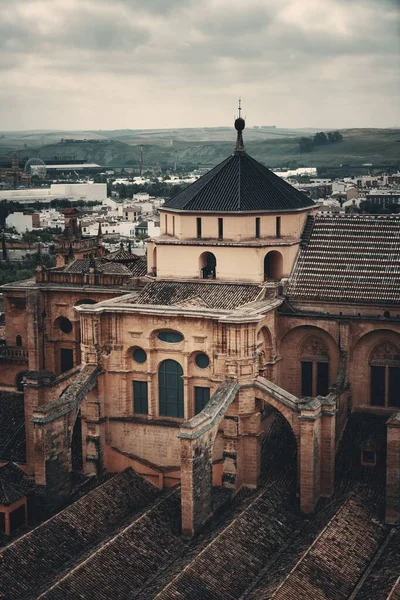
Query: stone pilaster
{"type": "Point", "coordinates": [310, 435]}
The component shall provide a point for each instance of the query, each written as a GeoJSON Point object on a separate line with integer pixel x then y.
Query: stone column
{"type": "Point", "coordinates": [393, 470]}
{"type": "Point", "coordinates": [310, 434]}
{"type": "Point", "coordinates": [36, 383]}
{"type": "Point", "coordinates": [196, 483]}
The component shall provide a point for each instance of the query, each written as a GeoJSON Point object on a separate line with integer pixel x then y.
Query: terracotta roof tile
{"type": "Point", "coordinates": [33, 560]}
{"type": "Point", "coordinates": [353, 258]}
{"type": "Point", "coordinates": [224, 296]}
{"type": "Point", "coordinates": [333, 564]}
{"type": "Point", "coordinates": [14, 483]}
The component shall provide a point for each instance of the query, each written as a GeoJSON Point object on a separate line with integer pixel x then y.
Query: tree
{"type": "Point", "coordinates": [306, 144]}
{"type": "Point", "coordinates": [320, 139]}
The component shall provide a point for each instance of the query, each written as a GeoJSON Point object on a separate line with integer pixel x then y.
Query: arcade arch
{"type": "Point", "coordinates": [273, 266]}
{"type": "Point", "coordinates": [309, 361]}
{"type": "Point", "coordinates": [375, 370]}
{"type": "Point", "coordinates": [384, 375]}
{"type": "Point", "coordinates": [208, 265]}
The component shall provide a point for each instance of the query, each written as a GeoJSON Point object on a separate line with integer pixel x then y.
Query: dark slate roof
{"type": "Point", "coordinates": [14, 483]}
{"type": "Point", "coordinates": [224, 296]}
{"type": "Point", "coordinates": [354, 258]}
{"type": "Point", "coordinates": [239, 184]}
{"type": "Point", "coordinates": [12, 427]}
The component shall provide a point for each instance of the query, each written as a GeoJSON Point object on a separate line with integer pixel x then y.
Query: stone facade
{"type": "Point", "coordinates": [174, 374]}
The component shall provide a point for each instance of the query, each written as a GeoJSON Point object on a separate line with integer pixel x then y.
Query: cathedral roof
{"type": "Point", "coordinates": [352, 258]}
{"type": "Point", "coordinates": [239, 184]}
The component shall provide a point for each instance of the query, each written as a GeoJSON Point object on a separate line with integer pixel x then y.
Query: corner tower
{"type": "Point", "coordinates": [239, 222]}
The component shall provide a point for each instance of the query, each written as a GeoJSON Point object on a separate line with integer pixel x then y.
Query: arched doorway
{"type": "Point", "coordinates": [170, 389]}
{"type": "Point", "coordinates": [208, 266]}
{"type": "Point", "coordinates": [76, 447]}
{"type": "Point", "coordinates": [273, 265]}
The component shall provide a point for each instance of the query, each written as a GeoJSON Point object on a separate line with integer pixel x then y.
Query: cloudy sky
{"type": "Point", "coordinates": [104, 64]}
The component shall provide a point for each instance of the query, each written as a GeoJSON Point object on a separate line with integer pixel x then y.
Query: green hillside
{"type": "Point", "coordinates": [275, 148]}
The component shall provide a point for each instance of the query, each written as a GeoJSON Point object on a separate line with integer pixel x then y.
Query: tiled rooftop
{"type": "Point", "coordinates": [384, 573]}
{"type": "Point", "coordinates": [239, 184]}
{"type": "Point", "coordinates": [138, 268]}
{"type": "Point", "coordinates": [34, 560]}
{"type": "Point", "coordinates": [12, 427]}
{"type": "Point", "coordinates": [14, 483]}
{"type": "Point", "coordinates": [224, 296]}
{"type": "Point", "coordinates": [119, 568]}
{"type": "Point", "coordinates": [82, 265]}
{"type": "Point", "coordinates": [354, 258]}
{"type": "Point", "coordinates": [333, 564]}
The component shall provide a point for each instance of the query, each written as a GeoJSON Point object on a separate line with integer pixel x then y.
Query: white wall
{"type": "Point", "coordinates": [20, 221]}
{"type": "Point", "coordinates": [86, 191]}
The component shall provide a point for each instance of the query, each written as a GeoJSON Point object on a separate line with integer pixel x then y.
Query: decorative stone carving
{"type": "Point", "coordinates": [314, 347]}
{"type": "Point", "coordinates": [386, 351]}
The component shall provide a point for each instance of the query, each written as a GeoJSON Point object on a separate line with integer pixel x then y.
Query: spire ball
{"type": "Point", "coordinates": [240, 124]}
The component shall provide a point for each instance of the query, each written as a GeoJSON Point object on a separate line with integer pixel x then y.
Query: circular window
{"type": "Point", "coordinates": [65, 325]}
{"type": "Point", "coordinates": [139, 355]}
{"type": "Point", "coordinates": [172, 337]}
{"type": "Point", "coordinates": [202, 361]}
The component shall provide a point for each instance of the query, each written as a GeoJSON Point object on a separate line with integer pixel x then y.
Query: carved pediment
{"type": "Point", "coordinates": [314, 346]}
{"type": "Point", "coordinates": [192, 302]}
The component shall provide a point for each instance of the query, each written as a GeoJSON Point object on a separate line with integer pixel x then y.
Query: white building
{"type": "Point", "coordinates": [88, 192]}
{"type": "Point", "coordinates": [22, 222]}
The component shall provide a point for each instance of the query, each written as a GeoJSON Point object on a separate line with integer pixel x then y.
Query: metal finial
{"type": "Point", "coordinates": [239, 126]}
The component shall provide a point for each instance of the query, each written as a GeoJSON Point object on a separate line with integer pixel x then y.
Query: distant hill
{"type": "Point", "coordinates": [205, 146]}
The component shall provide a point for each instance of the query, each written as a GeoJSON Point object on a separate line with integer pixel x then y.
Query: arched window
{"type": "Point", "coordinates": [384, 364]}
{"type": "Point", "coordinates": [273, 265]}
{"type": "Point", "coordinates": [314, 361]}
{"type": "Point", "coordinates": [170, 389]}
{"type": "Point", "coordinates": [18, 340]}
{"type": "Point", "coordinates": [208, 266]}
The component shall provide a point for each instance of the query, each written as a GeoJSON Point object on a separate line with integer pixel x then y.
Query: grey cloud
{"type": "Point", "coordinates": [185, 47]}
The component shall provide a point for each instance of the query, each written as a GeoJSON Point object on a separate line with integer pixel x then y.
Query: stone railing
{"type": "Point", "coordinates": [14, 353]}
